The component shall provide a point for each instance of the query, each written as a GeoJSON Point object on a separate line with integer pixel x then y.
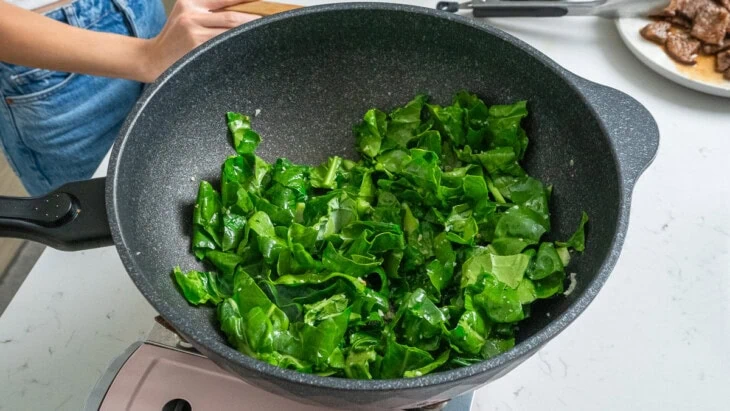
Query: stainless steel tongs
{"type": "Point", "coordinates": [555, 8]}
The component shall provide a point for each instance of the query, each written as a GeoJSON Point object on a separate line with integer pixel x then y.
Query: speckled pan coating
{"type": "Point", "coordinates": [313, 72]}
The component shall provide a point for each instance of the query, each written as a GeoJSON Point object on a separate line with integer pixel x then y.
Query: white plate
{"type": "Point", "coordinates": [654, 56]}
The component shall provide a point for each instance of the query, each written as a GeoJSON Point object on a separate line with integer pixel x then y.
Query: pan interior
{"type": "Point", "coordinates": [312, 77]}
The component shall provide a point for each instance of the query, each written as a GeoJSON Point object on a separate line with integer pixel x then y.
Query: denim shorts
{"type": "Point", "coordinates": [57, 127]}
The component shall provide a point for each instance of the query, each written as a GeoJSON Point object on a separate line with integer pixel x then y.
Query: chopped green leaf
{"type": "Point", "coordinates": [500, 301]}
{"type": "Point", "coordinates": [370, 132]}
{"type": "Point", "coordinates": [325, 176]}
{"type": "Point", "coordinates": [508, 269]}
{"type": "Point", "coordinates": [404, 122]}
{"type": "Point", "coordinates": [424, 255]}
{"type": "Point", "coordinates": [399, 359]}
{"type": "Point", "coordinates": [547, 262]}
{"type": "Point", "coordinates": [200, 287]}
{"type": "Point", "coordinates": [245, 140]}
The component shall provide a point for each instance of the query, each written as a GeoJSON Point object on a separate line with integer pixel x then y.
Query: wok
{"type": "Point", "coordinates": [313, 73]}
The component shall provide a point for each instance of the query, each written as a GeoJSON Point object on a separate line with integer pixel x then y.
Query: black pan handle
{"type": "Point", "coordinates": [629, 124]}
{"type": "Point", "coordinates": [70, 218]}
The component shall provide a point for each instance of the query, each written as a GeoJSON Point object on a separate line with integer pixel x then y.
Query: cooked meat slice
{"type": "Point", "coordinates": [727, 74]}
{"type": "Point", "coordinates": [710, 24]}
{"type": "Point", "coordinates": [690, 8]}
{"type": "Point", "coordinates": [681, 21]}
{"type": "Point", "coordinates": [724, 3]}
{"type": "Point", "coordinates": [656, 31]}
{"type": "Point", "coordinates": [723, 61]}
{"type": "Point", "coordinates": [713, 49]}
{"type": "Point", "coordinates": [669, 11]}
{"type": "Point", "coordinates": [682, 48]}
{"type": "Point", "coordinates": [687, 8]}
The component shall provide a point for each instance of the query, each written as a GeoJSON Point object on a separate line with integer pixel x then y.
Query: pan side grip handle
{"type": "Point", "coordinates": [70, 218]}
{"type": "Point", "coordinates": [629, 124]}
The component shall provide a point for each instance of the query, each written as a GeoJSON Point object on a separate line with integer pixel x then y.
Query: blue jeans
{"type": "Point", "coordinates": [57, 127]}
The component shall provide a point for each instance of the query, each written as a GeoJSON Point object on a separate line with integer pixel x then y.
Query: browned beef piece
{"type": "Point", "coordinates": [656, 31]}
{"type": "Point", "coordinates": [690, 8]}
{"type": "Point", "coordinates": [713, 49]}
{"type": "Point", "coordinates": [681, 21]}
{"type": "Point", "coordinates": [682, 48]}
{"type": "Point", "coordinates": [710, 24]}
{"type": "Point", "coordinates": [723, 61]}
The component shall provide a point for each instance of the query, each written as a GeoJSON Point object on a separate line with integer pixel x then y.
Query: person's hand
{"type": "Point", "coordinates": [191, 23]}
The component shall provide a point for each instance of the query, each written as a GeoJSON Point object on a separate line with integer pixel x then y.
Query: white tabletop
{"type": "Point", "coordinates": [655, 338]}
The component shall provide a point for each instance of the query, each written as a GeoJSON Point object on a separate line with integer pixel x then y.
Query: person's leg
{"type": "Point", "coordinates": [57, 127]}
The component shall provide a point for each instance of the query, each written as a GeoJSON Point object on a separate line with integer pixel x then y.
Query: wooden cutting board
{"type": "Point", "coordinates": [262, 8]}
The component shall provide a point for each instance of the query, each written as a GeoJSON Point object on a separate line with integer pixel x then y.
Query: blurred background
{"type": "Point", "coordinates": [17, 257]}
{"type": "Point", "coordinates": [13, 253]}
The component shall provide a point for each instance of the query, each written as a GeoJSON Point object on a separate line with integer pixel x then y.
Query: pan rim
{"type": "Point", "coordinates": [223, 351]}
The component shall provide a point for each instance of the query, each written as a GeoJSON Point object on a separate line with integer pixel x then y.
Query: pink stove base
{"type": "Point", "coordinates": [153, 376]}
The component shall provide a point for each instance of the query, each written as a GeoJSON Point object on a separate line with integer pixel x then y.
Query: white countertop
{"type": "Point", "coordinates": [655, 338]}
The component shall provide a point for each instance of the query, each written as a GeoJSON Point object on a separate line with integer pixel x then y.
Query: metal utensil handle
{"type": "Point", "coordinates": [520, 11]}
{"type": "Point", "coordinates": [524, 8]}
{"type": "Point", "coordinates": [70, 218]}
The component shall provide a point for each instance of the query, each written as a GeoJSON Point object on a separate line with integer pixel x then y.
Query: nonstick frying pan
{"type": "Point", "coordinates": [313, 73]}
